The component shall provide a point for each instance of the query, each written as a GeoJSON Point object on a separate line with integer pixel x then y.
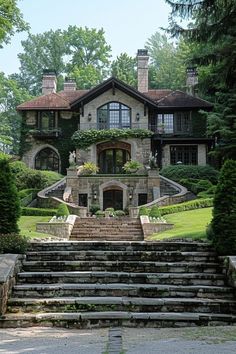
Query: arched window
{"type": "Point", "coordinates": [47, 159]}
{"type": "Point", "coordinates": [114, 115]}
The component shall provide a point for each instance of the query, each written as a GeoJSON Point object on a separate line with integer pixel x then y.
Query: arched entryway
{"type": "Point", "coordinates": [112, 156]}
{"type": "Point", "coordinates": [113, 198]}
{"type": "Point", "coordinates": [113, 194]}
{"type": "Point", "coordinates": [47, 159]}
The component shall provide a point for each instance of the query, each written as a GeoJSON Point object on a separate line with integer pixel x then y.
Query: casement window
{"type": "Point", "coordinates": [185, 154]}
{"type": "Point", "coordinates": [112, 160]}
{"type": "Point", "coordinates": [182, 122]}
{"type": "Point", "coordinates": [165, 123]}
{"type": "Point", "coordinates": [46, 120]}
{"type": "Point", "coordinates": [114, 115]}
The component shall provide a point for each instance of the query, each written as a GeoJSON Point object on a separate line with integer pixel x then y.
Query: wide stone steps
{"type": "Point", "coordinates": [162, 256]}
{"type": "Point", "coordinates": [121, 289]}
{"type": "Point", "coordinates": [123, 266]}
{"type": "Point", "coordinates": [107, 229]}
{"type": "Point", "coordinates": [116, 318]}
{"type": "Point", "coordinates": [121, 277]}
{"type": "Point", "coordinates": [95, 284]}
{"type": "Point", "coordinates": [78, 304]}
{"type": "Point", "coordinates": [120, 246]}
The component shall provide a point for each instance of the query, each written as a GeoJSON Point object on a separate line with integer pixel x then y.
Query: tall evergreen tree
{"type": "Point", "coordinates": [224, 211]}
{"type": "Point", "coordinates": [213, 33]}
{"type": "Point", "coordinates": [9, 200]}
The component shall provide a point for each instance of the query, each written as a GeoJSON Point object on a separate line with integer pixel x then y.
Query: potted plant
{"type": "Point", "coordinates": [89, 168]}
{"type": "Point", "coordinates": [132, 166]}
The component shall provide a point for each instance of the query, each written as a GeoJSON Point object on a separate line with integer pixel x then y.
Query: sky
{"type": "Point", "coordinates": [127, 23]}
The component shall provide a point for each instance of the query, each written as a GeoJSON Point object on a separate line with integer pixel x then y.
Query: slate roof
{"type": "Point", "coordinates": [66, 100]}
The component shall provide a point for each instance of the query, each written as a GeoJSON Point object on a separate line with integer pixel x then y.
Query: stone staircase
{"type": "Point", "coordinates": [107, 229]}
{"type": "Point", "coordinates": [95, 284]}
{"type": "Point", "coordinates": [57, 191]}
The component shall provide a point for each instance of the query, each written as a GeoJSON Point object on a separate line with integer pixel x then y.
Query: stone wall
{"type": "Point", "coordinates": [59, 229]}
{"type": "Point", "coordinates": [150, 228]}
{"type": "Point", "coordinates": [131, 185]}
{"type": "Point", "coordinates": [9, 266]}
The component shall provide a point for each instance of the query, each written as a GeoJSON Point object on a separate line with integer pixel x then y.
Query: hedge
{"type": "Point", "coordinates": [38, 211]}
{"type": "Point", "coordinates": [178, 172]}
{"type": "Point", "coordinates": [191, 205]}
{"type": "Point", "coordinates": [13, 243]}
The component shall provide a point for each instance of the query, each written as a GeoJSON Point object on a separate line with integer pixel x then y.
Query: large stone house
{"type": "Point", "coordinates": [179, 135]}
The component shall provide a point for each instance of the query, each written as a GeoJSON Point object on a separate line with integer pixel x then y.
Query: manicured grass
{"type": "Point", "coordinates": [27, 225]}
{"type": "Point", "coordinates": [187, 224]}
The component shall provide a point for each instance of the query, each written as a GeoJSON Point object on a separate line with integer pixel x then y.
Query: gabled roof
{"type": "Point", "coordinates": [112, 83]}
{"type": "Point", "coordinates": [180, 99]}
{"type": "Point", "coordinates": [67, 100]}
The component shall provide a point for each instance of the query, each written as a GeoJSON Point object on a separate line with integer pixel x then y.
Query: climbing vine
{"type": "Point", "coordinates": [84, 138]}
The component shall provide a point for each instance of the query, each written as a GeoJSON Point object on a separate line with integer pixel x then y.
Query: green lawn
{"type": "Point", "coordinates": [187, 224]}
{"type": "Point", "coordinates": [27, 225]}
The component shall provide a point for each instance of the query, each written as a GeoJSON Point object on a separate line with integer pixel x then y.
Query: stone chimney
{"type": "Point", "coordinates": [69, 84]}
{"type": "Point", "coordinates": [192, 80]}
{"type": "Point", "coordinates": [142, 58]}
{"type": "Point", "coordinates": [49, 84]}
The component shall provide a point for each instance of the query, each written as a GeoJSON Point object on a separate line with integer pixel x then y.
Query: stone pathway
{"type": "Point", "coordinates": [200, 340]}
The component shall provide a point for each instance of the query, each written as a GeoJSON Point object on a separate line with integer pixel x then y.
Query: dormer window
{"type": "Point", "coordinates": [114, 115]}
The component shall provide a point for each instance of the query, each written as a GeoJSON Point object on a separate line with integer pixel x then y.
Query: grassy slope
{"type": "Point", "coordinates": [187, 224]}
{"type": "Point", "coordinates": [27, 225]}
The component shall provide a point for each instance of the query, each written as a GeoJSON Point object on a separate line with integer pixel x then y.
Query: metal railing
{"type": "Point", "coordinates": [54, 132]}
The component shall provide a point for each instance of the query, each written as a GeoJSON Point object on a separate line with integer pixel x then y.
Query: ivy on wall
{"type": "Point", "coordinates": [82, 139]}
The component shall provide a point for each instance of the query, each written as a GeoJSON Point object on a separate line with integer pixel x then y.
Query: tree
{"type": "Point", "coordinates": [213, 33]}
{"type": "Point", "coordinates": [41, 51]}
{"type": "Point", "coordinates": [125, 68]}
{"type": "Point", "coordinates": [11, 20]}
{"type": "Point", "coordinates": [11, 95]}
{"type": "Point", "coordinates": [89, 54]}
{"type": "Point", "coordinates": [9, 200]}
{"type": "Point", "coordinates": [168, 62]}
{"type": "Point", "coordinates": [76, 52]}
{"type": "Point", "coordinates": [224, 210]}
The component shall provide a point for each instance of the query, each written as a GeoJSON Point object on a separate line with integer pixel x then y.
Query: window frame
{"type": "Point", "coordinates": [52, 120]}
{"type": "Point", "coordinates": [186, 157]}
{"type": "Point", "coordinates": [107, 123]}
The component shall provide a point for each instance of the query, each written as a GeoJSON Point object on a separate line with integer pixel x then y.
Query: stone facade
{"type": "Point", "coordinates": [116, 96]}
{"type": "Point", "coordinates": [131, 185]}
{"type": "Point", "coordinates": [201, 154]}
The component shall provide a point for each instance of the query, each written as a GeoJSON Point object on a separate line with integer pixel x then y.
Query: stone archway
{"type": "Point", "coordinates": [30, 158]}
{"type": "Point", "coordinates": [113, 186]}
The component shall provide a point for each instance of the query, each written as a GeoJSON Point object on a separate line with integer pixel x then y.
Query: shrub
{"type": "Point", "coordinates": [13, 243]}
{"type": "Point", "coordinates": [143, 211]}
{"type": "Point", "coordinates": [28, 178]}
{"type": "Point", "coordinates": [176, 172]}
{"type": "Point", "coordinates": [209, 193]}
{"type": "Point", "coordinates": [94, 208]}
{"type": "Point", "coordinates": [62, 210]}
{"type": "Point", "coordinates": [38, 211]}
{"type": "Point", "coordinates": [191, 205]}
{"type": "Point", "coordinates": [100, 214]}
{"type": "Point", "coordinates": [155, 212]}
{"type": "Point", "coordinates": [9, 199]}
{"type": "Point", "coordinates": [119, 213]}
{"type": "Point", "coordinates": [224, 210]}
{"type": "Point", "coordinates": [26, 192]}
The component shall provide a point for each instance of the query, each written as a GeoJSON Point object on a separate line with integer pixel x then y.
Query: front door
{"type": "Point", "coordinates": [113, 199]}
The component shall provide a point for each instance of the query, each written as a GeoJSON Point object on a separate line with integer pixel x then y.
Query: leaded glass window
{"type": "Point", "coordinates": [114, 115]}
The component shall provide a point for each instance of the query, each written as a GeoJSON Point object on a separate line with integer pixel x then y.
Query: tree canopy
{"type": "Point", "coordinates": [11, 20]}
{"type": "Point", "coordinates": [212, 34]}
